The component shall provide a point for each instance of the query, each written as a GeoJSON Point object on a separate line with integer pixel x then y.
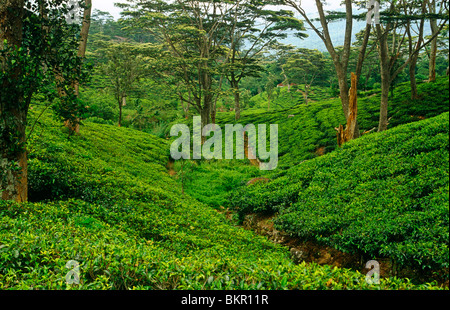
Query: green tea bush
{"type": "Point", "coordinates": [383, 195]}
{"type": "Point", "coordinates": [304, 129]}
{"type": "Point", "coordinates": [107, 202]}
{"type": "Point", "coordinates": [306, 132]}
{"type": "Point", "coordinates": [37, 240]}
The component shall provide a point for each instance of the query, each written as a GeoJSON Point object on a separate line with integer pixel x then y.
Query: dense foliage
{"type": "Point", "coordinates": [109, 205]}
{"type": "Point", "coordinates": [383, 195]}
{"type": "Point", "coordinates": [116, 211]}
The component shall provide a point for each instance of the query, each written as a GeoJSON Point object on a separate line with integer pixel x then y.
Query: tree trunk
{"type": "Point", "coordinates": [205, 114]}
{"type": "Point", "coordinates": [237, 104]}
{"type": "Point", "coordinates": [250, 153]}
{"type": "Point", "coordinates": [351, 131]}
{"type": "Point", "coordinates": [13, 181]}
{"type": "Point", "coordinates": [383, 50]}
{"type": "Point", "coordinates": [307, 87]}
{"type": "Point", "coordinates": [434, 43]}
{"type": "Point", "coordinates": [214, 104]}
{"type": "Point", "coordinates": [412, 78]}
{"type": "Point", "coordinates": [383, 123]}
{"type": "Point", "coordinates": [343, 89]}
{"type": "Point", "coordinates": [84, 37]}
{"type": "Point", "coordinates": [13, 109]}
{"type": "Point", "coordinates": [237, 96]}
{"type": "Point", "coordinates": [81, 53]}
{"type": "Point", "coordinates": [213, 113]}
{"type": "Point", "coordinates": [433, 53]}
{"type": "Point", "coordinates": [353, 108]}
{"type": "Point", "coordinates": [120, 100]}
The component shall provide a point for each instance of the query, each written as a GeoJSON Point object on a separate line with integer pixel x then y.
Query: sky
{"type": "Point", "coordinates": [309, 6]}
{"type": "Point", "coordinates": [108, 6]}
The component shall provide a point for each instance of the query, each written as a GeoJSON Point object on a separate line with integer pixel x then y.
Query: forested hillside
{"type": "Point", "coordinates": [115, 143]}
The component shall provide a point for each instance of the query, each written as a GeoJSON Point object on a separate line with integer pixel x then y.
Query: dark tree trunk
{"type": "Point", "coordinates": [412, 78]}
{"type": "Point", "coordinates": [120, 100]}
{"type": "Point", "coordinates": [343, 89]}
{"type": "Point", "coordinates": [237, 96]}
{"type": "Point", "coordinates": [434, 43]}
{"type": "Point", "coordinates": [13, 109]}
{"type": "Point", "coordinates": [383, 122]}
{"type": "Point", "coordinates": [237, 104]}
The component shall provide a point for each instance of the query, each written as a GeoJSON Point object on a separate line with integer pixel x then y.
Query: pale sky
{"type": "Point", "coordinates": [108, 5]}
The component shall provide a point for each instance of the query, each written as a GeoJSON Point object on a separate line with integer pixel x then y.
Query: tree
{"type": "Point", "coordinates": [409, 9]}
{"type": "Point", "coordinates": [84, 34]}
{"type": "Point", "coordinates": [390, 65]}
{"type": "Point", "coordinates": [124, 69]}
{"type": "Point", "coordinates": [282, 54]}
{"type": "Point", "coordinates": [30, 33]}
{"type": "Point", "coordinates": [251, 27]}
{"type": "Point", "coordinates": [369, 72]}
{"type": "Point", "coordinates": [204, 42]}
{"type": "Point", "coordinates": [71, 110]}
{"type": "Point", "coordinates": [270, 87]}
{"type": "Point", "coordinates": [340, 57]}
{"type": "Point", "coordinates": [101, 20]}
{"type": "Point", "coordinates": [13, 108]}
{"type": "Point", "coordinates": [304, 67]}
{"type": "Point", "coordinates": [188, 36]}
{"type": "Point", "coordinates": [434, 7]}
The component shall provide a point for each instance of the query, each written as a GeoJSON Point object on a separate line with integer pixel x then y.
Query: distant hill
{"type": "Point", "coordinates": [337, 33]}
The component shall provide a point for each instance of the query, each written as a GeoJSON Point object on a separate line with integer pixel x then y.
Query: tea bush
{"type": "Point", "coordinates": [105, 200]}
{"type": "Point", "coordinates": [383, 195]}
{"type": "Point", "coordinates": [305, 129]}
{"type": "Point", "coordinates": [307, 132]}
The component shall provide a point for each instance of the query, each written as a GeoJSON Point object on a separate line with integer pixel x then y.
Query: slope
{"type": "Point", "coordinates": [307, 132]}
{"type": "Point", "coordinates": [383, 195]}
{"type": "Point", "coordinates": [104, 200]}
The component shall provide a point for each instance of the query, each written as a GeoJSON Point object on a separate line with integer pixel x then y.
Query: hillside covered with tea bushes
{"type": "Point", "coordinates": [383, 195]}
{"type": "Point", "coordinates": [105, 199]}
{"type": "Point", "coordinates": [307, 132]}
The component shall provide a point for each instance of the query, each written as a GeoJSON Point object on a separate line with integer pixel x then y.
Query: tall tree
{"type": "Point", "coordinates": [124, 69]}
{"type": "Point", "coordinates": [250, 27]}
{"type": "Point", "coordinates": [410, 9]}
{"type": "Point", "coordinates": [189, 38]}
{"type": "Point", "coordinates": [13, 108]}
{"type": "Point", "coordinates": [340, 56]}
{"type": "Point", "coordinates": [305, 67]}
{"type": "Point", "coordinates": [270, 87]}
{"type": "Point", "coordinates": [73, 122]}
{"type": "Point", "coordinates": [29, 35]}
{"type": "Point", "coordinates": [390, 51]}
{"type": "Point", "coordinates": [435, 8]}
{"type": "Point", "coordinates": [84, 34]}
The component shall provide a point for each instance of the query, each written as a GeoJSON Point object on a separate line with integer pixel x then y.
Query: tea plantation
{"type": "Point", "coordinates": [383, 195]}
{"type": "Point", "coordinates": [307, 132]}
{"type": "Point", "coordinates": [105, 200]}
